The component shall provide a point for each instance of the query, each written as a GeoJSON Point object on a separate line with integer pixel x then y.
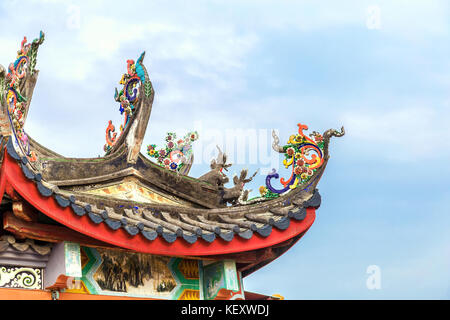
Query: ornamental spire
{"type": "Point", "coordinates": [135, 103]}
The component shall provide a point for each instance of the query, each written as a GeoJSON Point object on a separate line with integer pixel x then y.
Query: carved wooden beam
{"type": "Point", "coordinates": [45, 232]}
{"type": "Point", "coordinates": [24, 211]}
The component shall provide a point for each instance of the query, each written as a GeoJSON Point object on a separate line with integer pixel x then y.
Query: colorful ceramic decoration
{"type": "Point", "coordinates": [175, 155]}
{"type": "Point", "coordinates": [15, 100]}
{"type": "Point", "coordinates": [128, 98]}
{"type": "Point", "coordinates": [304, 155]}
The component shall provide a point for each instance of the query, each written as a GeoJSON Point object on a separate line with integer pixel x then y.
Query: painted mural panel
{"type": "Point", "coordinates": [133, 190]}
{"type": "Point", "coordinates": [115, 272]}
{"type": "Point", "coordinates": [134, 273]}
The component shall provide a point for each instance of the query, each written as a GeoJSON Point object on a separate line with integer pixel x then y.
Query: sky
{"type": "Point", "coordinates": [233, 69]}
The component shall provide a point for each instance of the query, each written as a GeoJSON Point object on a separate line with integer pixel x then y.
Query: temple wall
{"type": "Point", "coordinates": [70, 270]}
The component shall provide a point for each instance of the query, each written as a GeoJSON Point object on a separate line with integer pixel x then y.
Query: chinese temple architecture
{"type": "Point", "coordinates": [129, 225]}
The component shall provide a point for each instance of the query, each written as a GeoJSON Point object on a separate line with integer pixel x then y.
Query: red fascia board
{"type": "Point", "coordinates": [12, 174]}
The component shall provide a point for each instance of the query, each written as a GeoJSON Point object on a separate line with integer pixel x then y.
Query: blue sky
{"type": "Point", "coordinates": [262, 65]}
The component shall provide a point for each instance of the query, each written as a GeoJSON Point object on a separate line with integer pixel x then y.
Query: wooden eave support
{"type": "Point", "coordinates": [24, 211]}
{"type": "Point", "coordinates": [250, 258]}
{"type": "Point", "coordinates": [45, 232]}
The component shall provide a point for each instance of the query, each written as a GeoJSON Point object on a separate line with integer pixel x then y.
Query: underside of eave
{"type": "Point", "coordinates": [247, 261]}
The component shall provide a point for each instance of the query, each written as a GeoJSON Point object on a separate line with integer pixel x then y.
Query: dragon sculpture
{"type": "Point", "coordinates": [12, 87]}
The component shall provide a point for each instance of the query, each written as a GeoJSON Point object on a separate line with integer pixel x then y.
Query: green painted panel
{"type": "Point", "coordinates": [218, 275]}
{"type": "Point", "coordinates": [72, 259]}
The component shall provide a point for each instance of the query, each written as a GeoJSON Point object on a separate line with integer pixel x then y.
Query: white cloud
{"type": "Point", "coordinates": [103, 36]}
{"type": "Point", "coordinates": [9, 50]}
{"type": "Point", "coordinates": [403, 134]}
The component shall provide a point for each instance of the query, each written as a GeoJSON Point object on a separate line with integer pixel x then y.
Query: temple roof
{"type": "Point", "coordinates": [126, 200]}
{"type": "Point", "coordinates": [164, 221]}
{"type": "Point", "coordinates": [8, 241]}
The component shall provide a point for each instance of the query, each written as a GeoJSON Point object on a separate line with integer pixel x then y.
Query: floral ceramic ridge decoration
{"type": "Point", "coordinates": [176, 153]}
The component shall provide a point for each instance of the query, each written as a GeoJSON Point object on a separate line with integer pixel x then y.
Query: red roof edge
{"type": "Point", "coordinates": [13, 178]}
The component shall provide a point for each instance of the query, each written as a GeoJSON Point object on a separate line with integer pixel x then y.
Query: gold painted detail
{"type": "Point", "coordinates": [84, 258]}
{"type": "Point", "coordinates": [189, 268]}
{"type": "Point", "coordinates": [189, 294]}
{"type": "Point", "coordinates": [131, 190]}
{"type": "Point", "coordinates": [77, 286]}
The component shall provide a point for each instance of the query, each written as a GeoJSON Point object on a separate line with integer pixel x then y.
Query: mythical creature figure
{"type": "Point", "coordinates": [127, 97]}
{"type": "Point", "coordinates": [303, 154]}
{"type": "Point", "coordinates": [216, 177]}
{"type": "Point", "coordinates": [232, 195]}
{"type": "Point", "coordinates": [12, 83]}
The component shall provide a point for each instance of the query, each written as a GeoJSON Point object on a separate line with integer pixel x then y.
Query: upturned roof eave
{"type": "Point", "coordinates": [157, 233]}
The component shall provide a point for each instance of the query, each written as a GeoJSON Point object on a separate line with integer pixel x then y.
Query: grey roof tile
{"type": "Point", "coordinates": [170, 224]}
